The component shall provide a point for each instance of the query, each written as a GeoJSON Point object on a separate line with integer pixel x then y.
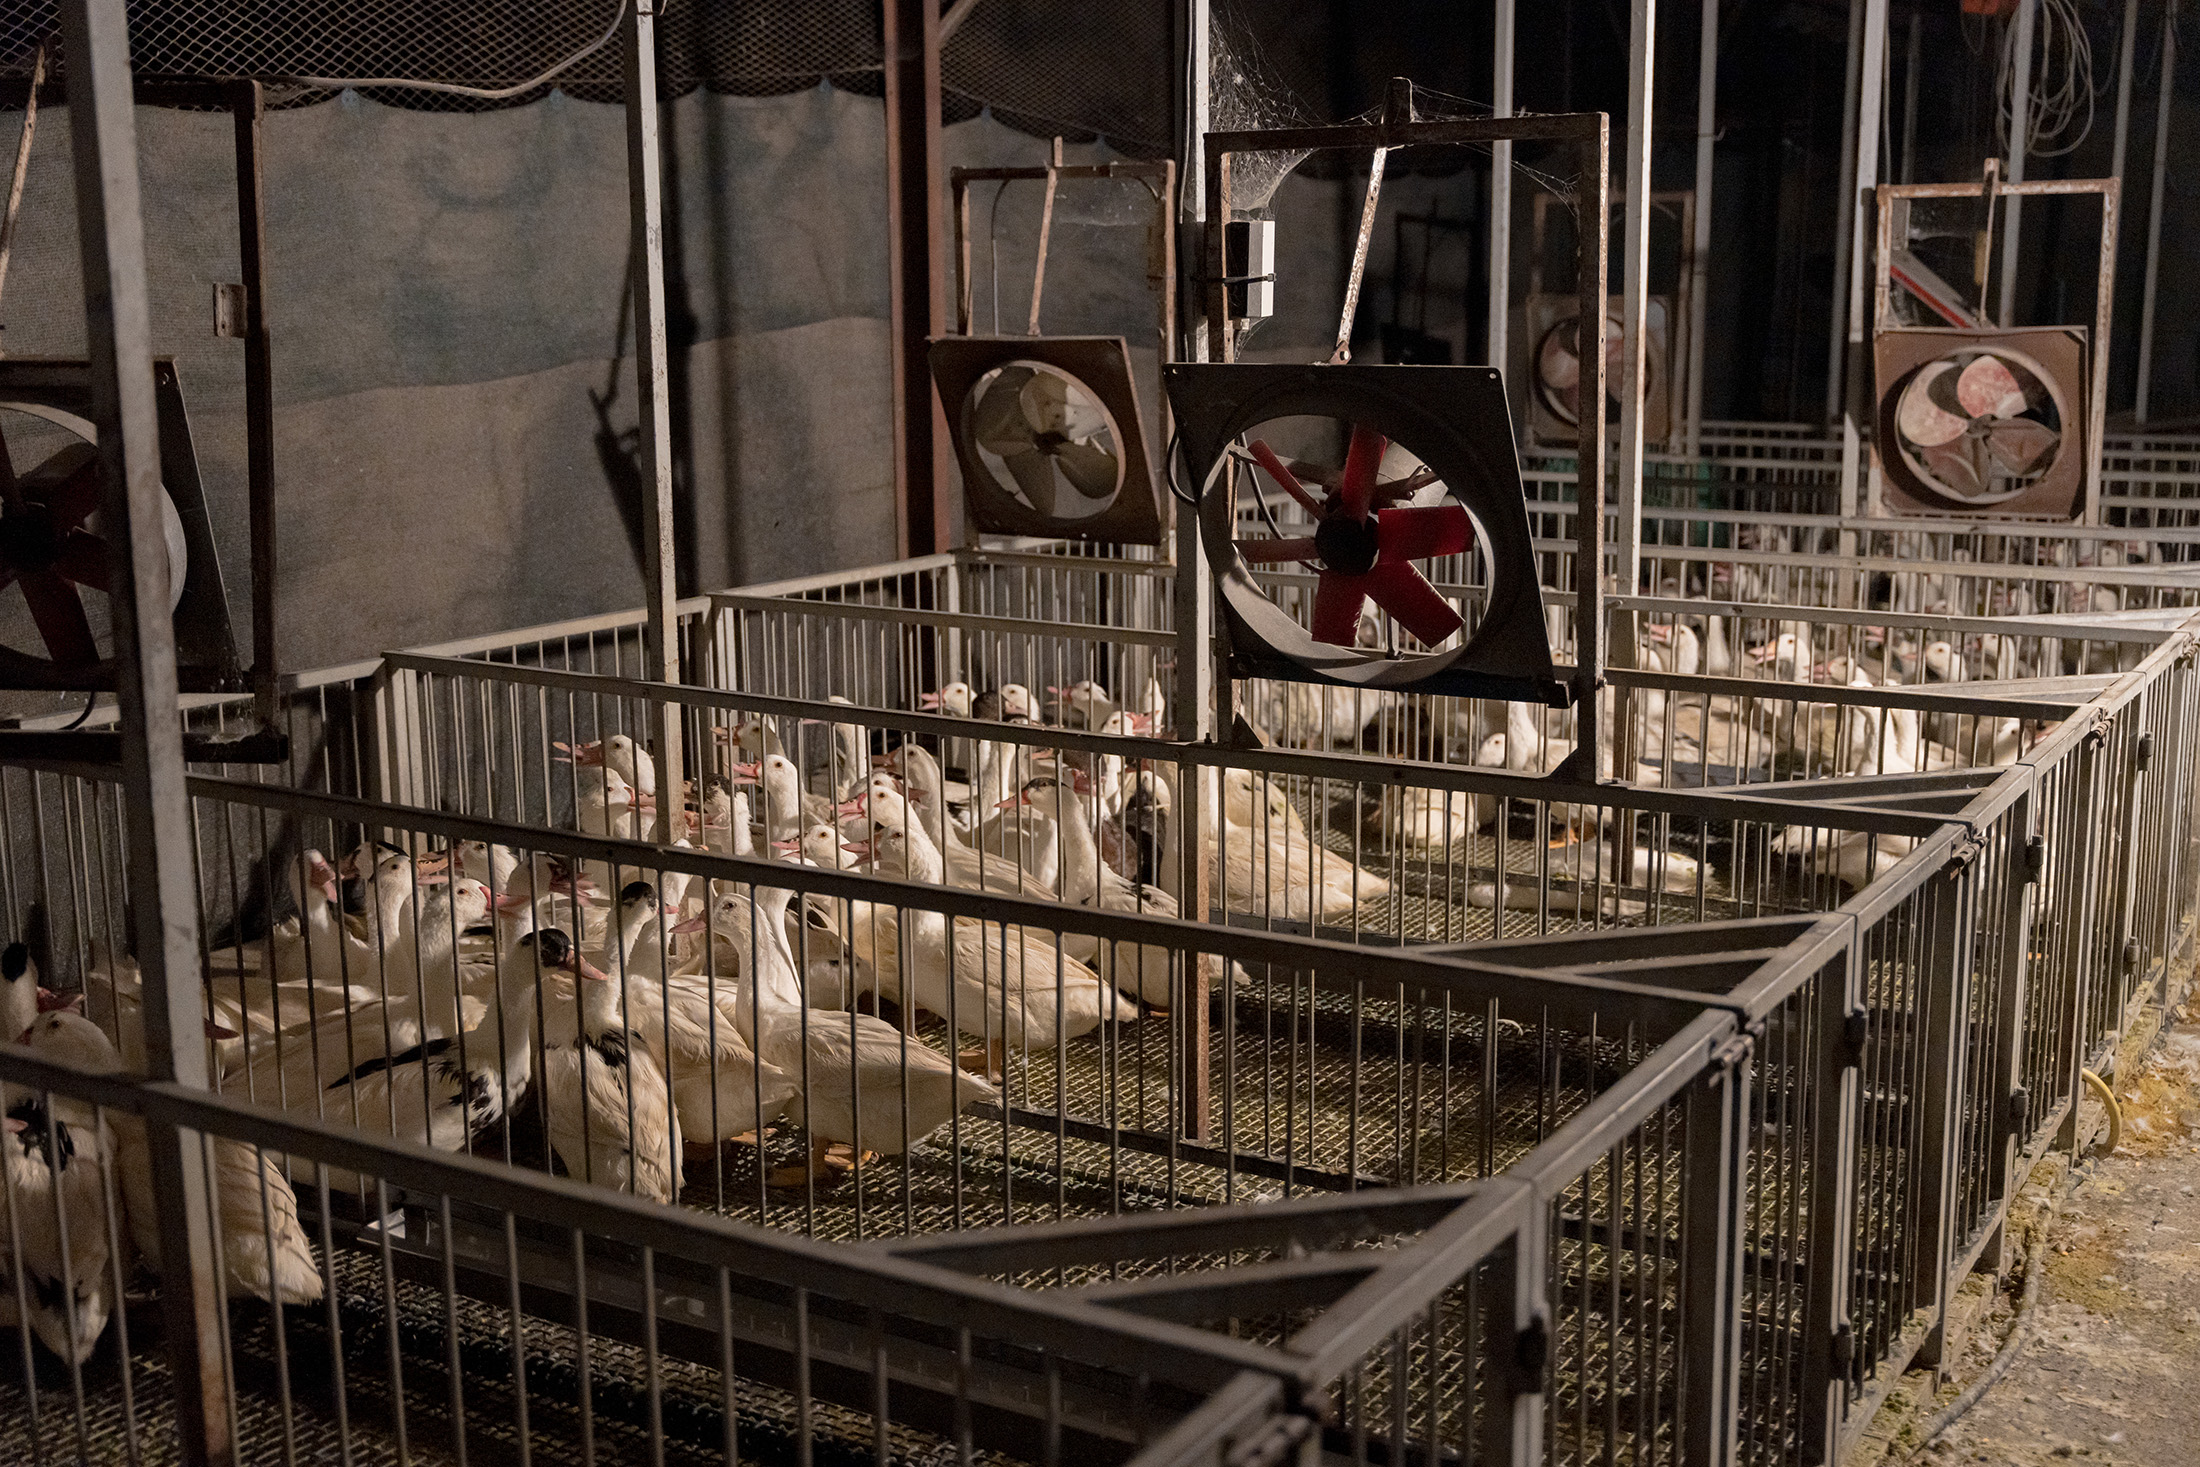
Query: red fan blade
{"type": "Point", "coordinates": [1411, 601]}
{"type": "Point", "coordinates": [1337, 603]}
{"type": "Point", "coordinates": [59, 613]}
{"type": "Point", "coordinates": [1268, 552]}
{"type": "Point", "coordinates": [1267, 459]}
{"type": "Point", "coordinates": [1416, 532]}
{"type": "Point", "coordinates": [83, 559]}
{"type": "Point", "coordinates": [1360, 463]}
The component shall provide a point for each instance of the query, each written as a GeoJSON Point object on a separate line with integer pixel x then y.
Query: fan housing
{"type": "Point", "coordinates": [1050, 437]}
{"type": "Point", "coordinates": [1454, 420]}
{"type": "Point", "coordinates": [1976, 421]}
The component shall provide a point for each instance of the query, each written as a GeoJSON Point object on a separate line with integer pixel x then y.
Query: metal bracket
{"type": "Point", "coordinates": [1966, 851]}
{"type": "Point", "coordinates": [2142, 752]}
{"type": "Point", "coordinates": [1729, 1055]}
{"type": "Point", "coordinates": [1532, 1354]}
{"type": "Point", "coordinates": [1844, 1347]}
{"type": "Point", "coordinates": [1855, 1031]}
{"type": "Point", "coordinates": [2020, 1109]}
{"type": "Point", "coordinates": [2035, 858]}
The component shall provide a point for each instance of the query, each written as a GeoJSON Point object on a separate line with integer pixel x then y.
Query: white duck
{"type": "Point", "coordinates": [611, 1119]}
{"type": "Point", "coordinates": [622, 756]}
{"type": "Point", "coordinates": [1270, 864]}
{"type": "Point", "coordinates": [254, 1199]}
{"type": "Point", "coordinates": [848, 757]}
{"type": "Point", "coordinates": [1008, 986]}
{"type": "Point", "coordinates": [53, 1208]}
{"type": "Point", "coordinates": [697, 1027]}
{"type": "Point", "coordinates": [953, 699]}
{"type": "Point", "coordinates": [864, 1087]}
{"type": "Point", "coordinates": [1140, 969]}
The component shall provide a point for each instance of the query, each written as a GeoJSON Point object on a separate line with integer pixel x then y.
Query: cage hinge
{"type": "Point", "coordinates": [2035, 858]}
{"type": "Point", "coordinates": [2131, 953]}
{"type": "Point", "coordinates": [1532, 1353]}
{"type": "Point", "coordinates": [2142, 752]}
{"type": "Point", "coordinates": [1844, 1347]}
{"type": "Point", "coordinates": [1274, 1442]}
{"type": "Point", "coordinates": [1856, 1027]}
{"type": "Point", "coordinates": [2020, 1110]}
{"type": "Point", "coordinates": [1965, 852]}
{"type": "Point", "coordinates": [1729, 1055]}
{"type": "Point", "coordinates": [2098, 734]}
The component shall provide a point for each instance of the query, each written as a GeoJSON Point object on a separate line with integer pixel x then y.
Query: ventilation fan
{"type": "Point", "coordinates": [1982, 420]}
{"type": "Point", "coordinates": [1049, 436]}
{"type": "Point", "coordinates": [1369, 534]}
{"type": "Point", "coordinates": [1554, 368]}
{"type": "Point", "coordinates": [53, 551]}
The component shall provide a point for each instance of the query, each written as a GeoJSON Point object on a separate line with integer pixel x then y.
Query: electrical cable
{"type": "Point", "coordinates": [2061, 92]}
{"type": "Point", "coordinates": [485, 94]}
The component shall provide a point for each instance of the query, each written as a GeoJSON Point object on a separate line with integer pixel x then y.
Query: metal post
{"type": "Point", "coordinates": [2154, 211]}
{"type": "Point", "coordinates": [1699, 247]}
{"type": "Point", "coordinates": [1711, 1240]}
{"type": "Point", "coordinates": [2020, 140]}
{"type": "Point", "coordinates": [1861, 220]}
{"type": "Point", "coordinates": [1501, 187]}
{"type": "Point", "coordinates": [161, 848]}
{"type": "Point", "coordinates": [1843, 239]}
{"type": "Point", "coordinates": [1910, 73]}
{"type": "Point", "coordinates": [915, 225]}
{"type": "Point", "coordinates": [1833, 1121]}
{"type": "Point", "coordinates": [2124, 59]}
{"type": "Point", "coordinates": [645, 194]}
{"type": "Point", "coordinates": [259, 390]}
{"type": "Point", "coordinates": [1592, 242]}
{"type": "Point", "coordinates": [1945, 1000]}
{"type": "Point", "coordinates": [1642, 51]}
{"type": "Point", "coordinates": [1204, 210]}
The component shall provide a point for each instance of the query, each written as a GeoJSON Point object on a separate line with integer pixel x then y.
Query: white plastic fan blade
{"type": "Point", "coordinates": [1559, 366]}
{"type": "Point", "coordinates": [1092, 469]}
{"type": "Point", "coordinates": [1920, 419]}
{"type": "Point", "coordinates": [1034, 473]}
{"type": "Point", "coordinates": [1045, 400]}
{"type": "Point", "coordinates": [997, 422]}
{"type": "Point", "coordinates": [1988, 389]}
{"type": "Point", "coordinates": [2020, 445]}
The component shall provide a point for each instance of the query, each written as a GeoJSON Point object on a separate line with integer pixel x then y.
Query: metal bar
{"type": "Point", "coordinates": [162, 865]}
{"type": "Point", "coordinates": [1571, 127]}
{"type": "Point", "coordinates": [22, 169]}
{"type": "Point", "coordinates": [2147, 294]}
{"type": "Point", "coordinates": [645, 196]}
{"type": "Point", "coordinates": [1699, 259]}
{"type": "Point", "coordinates": [1711, 1245]}
{"type": "Point", "coordinates": [915, 201]}
{"type": "Point", "coordinates": [1592, 253]}
{"type": "Point", "coordinates": [1046, 232]}
{"type": "Point", "coordinates": [1501, 197]}
{"type": "Point", "coordinates": [2126, 49]}
{"type": "Point", "coordinates": [1945, 996]}
{"type": "Point", "coordinates": [2020, 146]}
{"type": "Point", "coordinates": [250, 109]}
{"type": "Point", "coordinates": [1635, 202]}
{"type": "Point", "coordinates": [2047, 710]}
{"type": "Point", "coordinates": [1833, 1145]}
{"type": "Point", "coordinates": [1844, 238]}
{"type": "Point", "coordinates": [1912, 70]}
{"type": "Point", "coordinates": [930, 616]}
{"type": "Point", "coordinates": [1859, 222]}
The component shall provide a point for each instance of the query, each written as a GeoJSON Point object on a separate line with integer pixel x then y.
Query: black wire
{"type": "Point", "coordinates": [84, 713]}
{"type": "Point", "coordinates": [1168, 473]}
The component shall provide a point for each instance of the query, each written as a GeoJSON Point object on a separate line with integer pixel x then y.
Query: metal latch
{"type": "Point", "coordinates": [1532, 1353]}
{"type": "Point", "coordinates": [1844, 1347]}
{"type": "Point", "coordinates": [2035, 857]}
{"type": "Point", "coordinates": [1856, 1027]}
{"type": "Point", "coordinates": [2142, 752]}
{"type": "Point", "coordinates": [2020, 1110]}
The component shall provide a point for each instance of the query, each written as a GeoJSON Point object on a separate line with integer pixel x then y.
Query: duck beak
{"type": "Point", "coordinates": [50, 1002]}
{"type": "Point", "coordinates": [1012, 802]}
{"type": "Point", "coordinates": [691, 924]}
{"type": "Point", "coordinates": [586, 969]}
{"type": "Point", "coordinates": [928, 700]}
{"type": "Point", "coordinates": [787, 847]}
{"type": "Point", "coordinates": [849, 807]}
{"type": "Point", "coordinates": [746, 773]}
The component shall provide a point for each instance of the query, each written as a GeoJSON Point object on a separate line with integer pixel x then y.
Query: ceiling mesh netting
{"type": "Point", "coordinates": [1042, 65]}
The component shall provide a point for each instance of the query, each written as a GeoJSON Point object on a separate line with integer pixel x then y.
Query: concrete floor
{"type": "Point", "coordinates": [2112, 1371]}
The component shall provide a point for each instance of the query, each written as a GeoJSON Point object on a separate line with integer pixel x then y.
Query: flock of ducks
{"type": "Point", "coordinates": [662, 1018]}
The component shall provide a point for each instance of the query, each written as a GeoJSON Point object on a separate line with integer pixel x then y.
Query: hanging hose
{"type": "Point", "coordinates": [2107, 1096]}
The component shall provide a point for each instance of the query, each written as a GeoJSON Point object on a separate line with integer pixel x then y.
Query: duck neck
{"type": "Point", "coordinates": [1080, 851]}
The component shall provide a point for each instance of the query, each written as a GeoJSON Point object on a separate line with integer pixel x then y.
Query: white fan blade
{"type": "Point", "coordinates": [2020, 445]}
{"type": "Point", "coordinates": [1988, 389]}
{"type": "Point", "coordinates": [1045, 400]}
{"type": "Point", "coordinates": [1092, 469]}
{"type": "Point", "coordinates": [997, 422]}
{"type": "Point", "coordinates": [1034, 473]}
{"type": "Point", "coordinates": [1920, 419]}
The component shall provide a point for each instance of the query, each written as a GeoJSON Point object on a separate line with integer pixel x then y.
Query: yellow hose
{"type": "Point", "coordinates": [2115, 1113]}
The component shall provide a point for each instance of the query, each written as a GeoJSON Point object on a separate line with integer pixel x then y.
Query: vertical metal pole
{"type": "Point", "coordinates": [2020, 139]}
{"type": "Point", "coordinates": [1699, 247]}
{"type": "Point", "coordinates": [1844, 239]}
{"type": "Point", "coordinates": [2125, 55]}
{"type": "Point", "coordinates": [1501, 187]}
{"type": "Point", "coordinates": [1910, 74]}
{"type": "Point", "coordinates": [1945, 998]}
{"type": "Point", "coordinates": [259, 390]}
{"type": "Point", "coordinates": [1642, 53]}
{"type": "Point", "coordinates": [2154, 211]}
{"type": "Point", "coordinates": [915, 224]}
{"type": "Point", "coordinates": [1833, 1122]}
{"type": "Point", "coordinates": [1591, 257]}
{"type": "Point", "coordinates": [1205, 209]}
{"type": "Point", "coordinates": [645, 194]}
{"type": "Point", "coordinates": [162, 866]}
{"type": "Point", "coordinates": [1861, 221]}
{"type": "Point", "coordinates": [1711, 1239]}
